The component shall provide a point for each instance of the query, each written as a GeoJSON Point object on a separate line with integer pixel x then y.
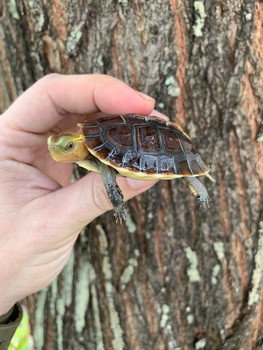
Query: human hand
{"type": "Point", "coordinates": [41, 213]}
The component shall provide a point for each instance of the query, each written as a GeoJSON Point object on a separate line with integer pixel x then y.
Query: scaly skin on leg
{"type": "Point", "coordinates": [198, 190]}
{"type": "Point", "coordinates": [113, 190]}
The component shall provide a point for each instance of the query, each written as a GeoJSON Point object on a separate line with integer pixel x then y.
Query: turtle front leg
{"type": "Point", "coordinates": [113, 190]}
{"type": "Point", "coordinates": [199, 191]}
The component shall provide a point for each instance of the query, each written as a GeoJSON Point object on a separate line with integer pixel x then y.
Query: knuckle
{"type": "Point", "coordinates": [47, 80]}
{"type": "Point", "coordinates": [50, 77]}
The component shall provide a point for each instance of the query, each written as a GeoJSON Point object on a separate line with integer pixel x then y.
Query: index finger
{"type": "Point", "coordinates": [56, 97]}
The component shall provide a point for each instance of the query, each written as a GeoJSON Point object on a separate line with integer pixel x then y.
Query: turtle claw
{"type": "Point", "coordinates": [120, 213]}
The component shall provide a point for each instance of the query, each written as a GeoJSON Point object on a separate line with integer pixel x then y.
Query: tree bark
{"type": "Point", "coordinates": [173, 276]}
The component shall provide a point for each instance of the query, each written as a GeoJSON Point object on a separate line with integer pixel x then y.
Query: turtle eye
{"type": "Point", "coordinates": [69, 146]}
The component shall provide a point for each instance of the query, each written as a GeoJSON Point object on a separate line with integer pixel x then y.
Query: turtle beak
{"type": "Point", "coordinates": [53, 148]}
{"type": "Point", "coordinates": [51, 143]}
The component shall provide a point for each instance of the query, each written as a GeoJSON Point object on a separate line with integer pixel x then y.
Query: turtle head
{"type": "Point", "coordinates": [67, 147]}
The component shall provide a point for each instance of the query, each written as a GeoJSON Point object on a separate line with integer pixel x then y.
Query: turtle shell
{"type": "Point", "coordinates": [143, 147]}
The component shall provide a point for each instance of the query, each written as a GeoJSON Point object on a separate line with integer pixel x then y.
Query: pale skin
{"type": "Point", "coordinates": [41, 212]}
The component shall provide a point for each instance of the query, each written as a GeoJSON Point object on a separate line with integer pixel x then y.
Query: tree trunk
{"type": "Point", "coordinates": [173, 276]}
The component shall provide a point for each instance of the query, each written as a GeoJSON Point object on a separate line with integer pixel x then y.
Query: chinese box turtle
{"type": "Point", "coordinates": [135, 146]}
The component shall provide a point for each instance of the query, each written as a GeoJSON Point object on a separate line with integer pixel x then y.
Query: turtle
{"type": "Point", "coordinates": [135, 146]}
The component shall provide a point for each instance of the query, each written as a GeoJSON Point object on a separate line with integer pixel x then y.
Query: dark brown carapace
{"type": "Point", "coordinates": [143, 147]}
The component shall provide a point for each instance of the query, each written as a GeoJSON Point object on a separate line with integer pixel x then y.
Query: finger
{"type": "Point", "coordinates": [86, 199]}
{"type": "Point", "coordinates": [56, 97]}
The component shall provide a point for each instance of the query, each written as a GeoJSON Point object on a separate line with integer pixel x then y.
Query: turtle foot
{"type": "Point", "coordinates": [204, 202]}
{"type": "Point", "coordinates": [120, 213]}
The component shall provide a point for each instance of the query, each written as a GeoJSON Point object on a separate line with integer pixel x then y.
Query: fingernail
{"type": "Point", "coordinates": [156, 113]}
{"type": "Point", "coordinates": [146, 97]}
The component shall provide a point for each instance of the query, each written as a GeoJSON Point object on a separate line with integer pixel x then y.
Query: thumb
{"type": "Point", "coordinates": [86, 199]}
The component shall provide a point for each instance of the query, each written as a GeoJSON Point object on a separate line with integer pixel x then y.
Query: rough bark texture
{"type": "Point", "coordinates": [173, 276]}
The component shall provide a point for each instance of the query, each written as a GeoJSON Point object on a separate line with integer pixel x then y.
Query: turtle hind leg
{"type": "Point", "coordinates": [199, 191]}
{"type": "Point", "coordinates": [113, 190]}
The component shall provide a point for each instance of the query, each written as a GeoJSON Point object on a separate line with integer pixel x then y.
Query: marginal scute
{"type": "Point", "coordinates": [116, 158]}
{"type": "Point", "coordinates": [93, 142]}
{"type": "Point", "coordinates": [92, 130]}
{"type": "Point", "coordinates": [166, 165]}
{"type": "Point", "coordinates": [113, 120]}
{"type": "Point", "coordinates": [195, 167]}
{"type": "Point", "coordinates": [183, 168]}
{"type": "Point", "coordinates": [148, 164]}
